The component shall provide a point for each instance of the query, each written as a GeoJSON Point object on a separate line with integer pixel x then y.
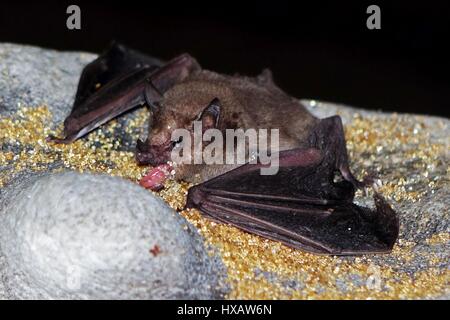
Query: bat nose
{"type": "Point", "coordinates": [151, 154]}
{"type": "Point", "coordinates": [141, 146]}
{"type": "Point", "coordinates": [149, 158]}
{"type": "Point", "coordinates": [145, 158]}
{"type": "Point", "coordinates": [142, 158]}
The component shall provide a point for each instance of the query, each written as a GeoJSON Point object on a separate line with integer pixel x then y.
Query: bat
{"type": "Point", "coordinates": [307, 205]}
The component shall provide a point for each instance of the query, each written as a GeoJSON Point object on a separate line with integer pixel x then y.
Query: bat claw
{"type": "Point", "coordinates": [371, 180]}
{"type": "Point", "coordinates": [371, 183]}
{"type": "Point", "coordinates": [375, 187]}
{"type": "Point", "coordinates": [377, 184]}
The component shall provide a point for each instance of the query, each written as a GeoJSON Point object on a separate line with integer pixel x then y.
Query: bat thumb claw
{"type": "Point", "coordinates": [366, 191]}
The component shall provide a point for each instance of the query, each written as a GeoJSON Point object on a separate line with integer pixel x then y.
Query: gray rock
{"type": "Point", "coordinates": [32, 76]}
{"type": "Point", "coordinates": [85, 236]}
{"type": "Point", "coordinates": [36, 76]}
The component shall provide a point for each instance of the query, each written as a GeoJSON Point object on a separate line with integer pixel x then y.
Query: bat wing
{"type": "Point", "coordinates": [120, 80]}
{"type": "Point", "coordinates": [299, 206]}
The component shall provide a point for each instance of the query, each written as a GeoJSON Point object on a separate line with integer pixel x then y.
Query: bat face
{"type": "Point", "coordinates": [156, 149]}
{"type": "Point", "coordinates": [172, 113]}
{"type": "Point", "coordinates": [201, 99]}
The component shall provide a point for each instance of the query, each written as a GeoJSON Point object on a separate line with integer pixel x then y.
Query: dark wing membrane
{"type": "Point", "coordinates": [113, 63]}
{"type": "Point", "coordinates": [124, 90]}
{"type": "Point", "coordinates": [118, 96]}
{"type": "Point", "coordinates": [299, 206]}
{"type": "Point", "coordinates": [345, 229]}
{"type": "Point", "coordinates": [302, 177]}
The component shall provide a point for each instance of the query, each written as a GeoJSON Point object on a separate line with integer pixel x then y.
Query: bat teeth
{"type": "Point", "coordinates": [366, 191]}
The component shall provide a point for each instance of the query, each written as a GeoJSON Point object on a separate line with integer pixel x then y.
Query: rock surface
{"type": "Point", "coordinates": [29, 73]}
{"type": "Point", "coordinates": [84, 236]}
{"type": "Point", "coordinates": [409, 152]}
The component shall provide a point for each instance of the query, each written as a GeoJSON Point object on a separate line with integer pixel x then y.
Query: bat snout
{"type": "Point", "coordinates": [150, 155]}
{"type": "Point", "coordinates": [145, 158]}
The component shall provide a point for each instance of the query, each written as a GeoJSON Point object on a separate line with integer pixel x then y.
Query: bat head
{"type": "Point", "coordinates": [170, 115]}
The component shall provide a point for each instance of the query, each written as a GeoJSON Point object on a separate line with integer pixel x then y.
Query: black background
{"type": "Point", "coordinates": [316, 49]}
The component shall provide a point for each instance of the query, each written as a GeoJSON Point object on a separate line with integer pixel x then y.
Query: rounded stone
{"type": "Point", "coordinates": [86, 236]}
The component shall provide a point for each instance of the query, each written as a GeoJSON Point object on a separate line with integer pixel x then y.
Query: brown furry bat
{"type": "Point", "coordinates": [307, 204]}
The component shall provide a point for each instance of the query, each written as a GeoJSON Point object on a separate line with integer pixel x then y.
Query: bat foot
{"type": "Point", "coordinates": [371, 182]}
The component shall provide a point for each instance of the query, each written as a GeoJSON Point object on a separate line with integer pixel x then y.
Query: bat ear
{"type": "Point", "coordinates": [211, 114]}
{"type": "Point", "coordinates": [265, 78]}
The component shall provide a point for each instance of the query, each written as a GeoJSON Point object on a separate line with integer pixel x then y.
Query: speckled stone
{"type": "Point", "coordinates": [85, 236]}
